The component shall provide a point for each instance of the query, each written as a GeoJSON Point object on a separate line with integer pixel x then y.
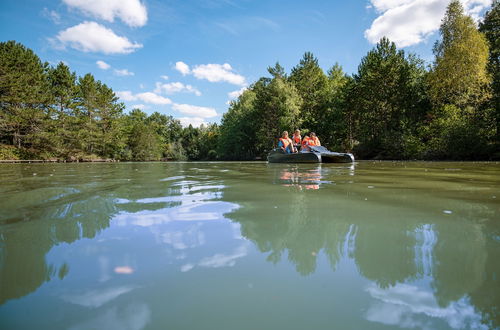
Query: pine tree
{"type": "Point", "coordinates": [63, 92]}
{"type": "Point", "coordinates": [24, 94]}
{"type": "Point", "coordinates": [380, 99]}
{"type": "Point", "coordinates": [312, 86]}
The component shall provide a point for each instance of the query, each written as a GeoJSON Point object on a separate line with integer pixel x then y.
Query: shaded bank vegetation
{"type": "Point", "coordinates": [393, 107]}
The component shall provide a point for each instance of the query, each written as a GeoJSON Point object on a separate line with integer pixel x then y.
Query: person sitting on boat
{"type": "Point", "coordinates": [285, 143]}
{"type": "Point", "coordinates": [305, 143]}
{"type": "Point", "coordinates": [313, 140]}
{"type": "Point", "coordinates": [296, 139]}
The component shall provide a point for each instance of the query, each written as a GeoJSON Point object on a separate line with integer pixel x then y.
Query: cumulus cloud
{"type": "Point", "coordinates": [147, 97]}
{"type": "Point", "coordinates": [93, 37]}
{"type": "Point", "coordinates": [217, 73]}
{"type": "Point", "coordinates": [123, 72]}
{"type": "Point", "coordinates": [153, 98]}
{"type": "Point", "coordinates": [164, 77]}
{"type": "Point", "coordinates": [131, 12]}
{"type": "Point", "coordinates": [193, 110]}
{"type": "Point", "coordinates": [103, 65]}
{"type": "Point", "coordinates": [409, 22]}
{"type": "Point", "coordinates": [212, 72]}
{"type": "Point", "coordinates": [235, 94]}
{"type": "Point", "coordinates": [176, 87]}
{"type": "Point", "coordinates": [182, 68]}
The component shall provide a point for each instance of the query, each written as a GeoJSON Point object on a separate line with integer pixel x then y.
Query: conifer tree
{"type": "Point", "coordinates": [24, 94]}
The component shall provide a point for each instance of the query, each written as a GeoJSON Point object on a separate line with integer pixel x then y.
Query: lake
{"type": "Point", "coordinates": [223, 245]}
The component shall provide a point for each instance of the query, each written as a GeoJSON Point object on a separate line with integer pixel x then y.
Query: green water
{"type": "Point", "coordinates": [374, 245]}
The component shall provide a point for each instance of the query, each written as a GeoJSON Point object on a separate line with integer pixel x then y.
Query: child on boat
{"type": "Point", "coordinates": [285, 143]}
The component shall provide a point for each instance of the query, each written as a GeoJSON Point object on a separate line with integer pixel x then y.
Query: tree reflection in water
{"type": "Point", "coordinates": [404, 252]}
{"type": "Point", "coordinates": [418, 262]}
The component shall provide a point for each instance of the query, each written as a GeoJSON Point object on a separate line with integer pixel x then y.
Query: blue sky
{"type": "Point", "coordinates": [189, 58]}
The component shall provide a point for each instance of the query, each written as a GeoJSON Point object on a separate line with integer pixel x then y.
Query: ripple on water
{"type": "Point", "coordinates": [173, 178]}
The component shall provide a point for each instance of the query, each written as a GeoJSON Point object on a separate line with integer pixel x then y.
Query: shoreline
{"type": "Point", "coordinates": [13, 161]}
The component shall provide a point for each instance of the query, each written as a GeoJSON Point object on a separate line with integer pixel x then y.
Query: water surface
{"type": "Point", "coordinates": [250, 246]}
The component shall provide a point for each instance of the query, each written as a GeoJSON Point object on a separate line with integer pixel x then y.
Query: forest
{"type": "Point", "coordinates": [394, 107]}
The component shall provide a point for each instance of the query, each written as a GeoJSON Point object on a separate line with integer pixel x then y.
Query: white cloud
{"type": "Point", "coordinates": [405, 305]}
{"type": "Point", "coordinates": [193, 110]}
{"type": "Point", "coordinates": [409, 22]}
{"type": "Point", "coordinates": [103, 65]}
{"type": "Point", "coordinates": [235, 94]}
{"type": "Point", "coordinates": [126, 95]}
{"type": "Point", "coordinates": [176, 87]}
{"type": "Point", "coordinates": [164, 77]}
{"type": "Point", "coordinates": [217, 73]}
{"type": "Point", "coordinates": [182, 68]}
{"type": "Point", "coordinates": [153, 98]}
{"type": "Point", "coordinates": [140, 106]}
{"type": "Point", "coordinates": [123, 72]}
{"type": "Point", "coordinates": [193, 121]}
{"type": "Point", "coordinates": [131, 12]}
{"type": "Point", "coordinates": [97, 298]}
{"type": "Point", "coordinates": [223, 260]}
{"type": "Point", "coordinates": [93, 37]}
{"type": "Point", "coordinates": [383, 5]}
{"type": "Point", "coordinates": [146, 97]}
{"type": "Point", "coordinates": [52, 15]}
{"type": "Point", "coordinates": [187, 267]}
{"type": "Point", "coordinates": [212, 72]}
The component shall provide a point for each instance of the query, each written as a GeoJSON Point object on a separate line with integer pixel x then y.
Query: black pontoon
{"type": "Point", "coordinates": [316, 155]}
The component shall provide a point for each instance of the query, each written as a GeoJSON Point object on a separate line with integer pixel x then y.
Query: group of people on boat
{"type": "Point", "coordinates": [296, 143]}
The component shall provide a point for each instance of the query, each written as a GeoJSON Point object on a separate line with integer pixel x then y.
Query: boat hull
{"type": "Point", "coordinates": [336, 157]}
{"type": "Point", "coordinates": [278, 156]}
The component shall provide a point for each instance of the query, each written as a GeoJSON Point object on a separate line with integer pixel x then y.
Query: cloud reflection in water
{"type": "Point", "coordinates": [404, 305]}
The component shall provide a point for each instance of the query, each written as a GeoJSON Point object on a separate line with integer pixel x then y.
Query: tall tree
{"type": "Point", "coordinates": [63, 91]}
{"type": "Point", "coordinates": [490, 26]}
{"type": "Point", "coordinates": [238, 130]}
{"type": "Point", "coordinates": [333, 124]}
{"type": "Point", "coordinates": [24, 94]}
{"type": "Point", "coordinates": [459, 88]}
{"type": "Point", "coordinates": [312, 86]}
{"type": "Point", "coordinates": [87, 94]}
{"type": "Point", "coordinates": [459, 75]}
{"type": "Point", "coordinates": [108, 110]}
{"type": "Point", "coordinates": [380, 98]}
{"type": "Point", "coordinates": [278, 107]}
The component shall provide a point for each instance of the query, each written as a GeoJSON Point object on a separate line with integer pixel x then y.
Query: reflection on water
{"type": "Point", "coordinates": [412, 245]}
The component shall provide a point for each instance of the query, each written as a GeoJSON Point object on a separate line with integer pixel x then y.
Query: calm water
{"type": "Point", "coordinates": [375, 245]}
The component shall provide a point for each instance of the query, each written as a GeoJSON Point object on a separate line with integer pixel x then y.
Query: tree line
{"type": "Point", "coordinates": [48, 112]}
{"type": "Point", "coordinates": [393, 107]}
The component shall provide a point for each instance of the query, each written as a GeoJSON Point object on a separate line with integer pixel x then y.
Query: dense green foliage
{"type": "Point", "coordinates": [47, 112]}
{"type": "Point", "coordinates": [393, 107]}
{"type": "Point", "coordinates": [491, 28]}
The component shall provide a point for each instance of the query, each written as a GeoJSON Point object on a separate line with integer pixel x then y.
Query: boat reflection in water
{"type": "Point", "coordinates": [307, 176]}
